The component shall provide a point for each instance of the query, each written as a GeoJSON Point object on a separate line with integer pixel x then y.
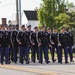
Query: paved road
{"type": "Point", "coordinates": [38, 69]}
{"type": "Point", "coordinates": [14, 72]}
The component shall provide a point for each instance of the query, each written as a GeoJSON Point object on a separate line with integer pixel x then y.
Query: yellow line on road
{"type": "Point", "coordinates": [25, 70]}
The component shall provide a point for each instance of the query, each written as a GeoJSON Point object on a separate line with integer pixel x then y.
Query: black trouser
{"type": "Point", "coordinates": [53, 52]}
{"type": "Point", "coordinates": [34, 51]}
{"type": "Point", "coordinates": [15, 49]}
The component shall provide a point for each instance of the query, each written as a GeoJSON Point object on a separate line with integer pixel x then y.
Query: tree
{"type": "Point", "coordinates": [69, 5]}
{"type": "Point", "coordinates": [48, 10]}
{"type": "Point", "coordinates": [62, 20]}
{"type": "Point", "coordinates": [72, 19]}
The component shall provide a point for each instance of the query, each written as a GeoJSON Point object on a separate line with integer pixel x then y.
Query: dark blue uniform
{"type": "Point", "coordinates": [7, 46]}
{"type": "Point", "coordinates": [14, 44]}
{"type": "Point", "coordinates": [43, 39]}
{"type": "Point", "coordinates": [63, 42]}
{"type": "Point", "coordinates": [49, 43]}
{"type": "Point", "coordinates": [10, 49]}
{"type": "Point", "coordinates": [2, 41]}
{"type": "Point", "coordinates": [24, 49]}
{"type": "Point", "coordinates": [70, 43]}
{"type": "Point", "coordinates": [33, 39]}
{"type": "Point", "coordinates": [29, 43]}
{"type": "Point", "coordinates": [54, 39]}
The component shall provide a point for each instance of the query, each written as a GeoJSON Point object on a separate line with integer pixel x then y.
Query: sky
{"type": "Point", "coordinates": [8, 7]}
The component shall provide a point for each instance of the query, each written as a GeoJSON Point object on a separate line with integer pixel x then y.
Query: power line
{"type": "Point", "coordinates": [35, 2]}
{"type": "Point", "coordinates": [8, 4]}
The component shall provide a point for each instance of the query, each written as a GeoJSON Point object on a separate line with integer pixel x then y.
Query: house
{"type": "Point", "coordinates": [30, 18]}
{"type": "Point", "coordinates": [71, 9]}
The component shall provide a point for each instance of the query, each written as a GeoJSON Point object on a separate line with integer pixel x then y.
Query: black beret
{"type": "Point", "coordinates": [35, 27]}
{"type": "Point", "coordinates": [48, 28]}
{"type": "Point", "coordinates": [54, 28]}
{"type": "Point", "coordinates": [28, 26]}
{"type": "Point", "coordinates": [17, 25]}
{"type": "Point", "coordinates": [63, 28]}
{"type": "Point", "coordinates": [22, 26]}
{"type": "Point", "coordinates": [42, 27]}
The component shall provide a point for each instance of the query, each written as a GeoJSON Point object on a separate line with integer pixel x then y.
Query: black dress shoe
{"type": "Point", "coordinates": [60, 62]}
{"type": "Point", "coordinates": [40, 62]}
{"type": "Point", "coordinates": [1, 63]}
{"type": "Point", "coordinates": [66, 62]}
{"type": "Point", "coordinates": [72, 61]}
{"type": "Point", "coordinates": [33, 61]}
{"type": "Point", "coordinates": [53, 61]}
{"type": "Point", "coordinates": [27, 62]}
{"type": "Point", "coordinates": [47, 62]}
{"type": "Point", "coordinates": [21, 62]}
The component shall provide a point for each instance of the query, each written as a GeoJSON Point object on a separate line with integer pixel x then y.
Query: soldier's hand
{"type": "Point", "coordinates": [59, 45]}
{"type": "Point", "coordinates": [53, 43]}
{"type": "Point", "coordinates": [33, 43]}
{"type": "Point", "coordinates": [8, 46]}
{"type": "Point", "coordinates": [50, 46]}
{"type": "Point", "coordinates": [12, 45]}
{"type": "Point", "coordinates": [0, 44]}
{"type": "Point", "coordinates": [28, 45]}
{"type": "Point", "coordinates": [39, 44]}
{"type": "Point", "coordinates": [20, 43]}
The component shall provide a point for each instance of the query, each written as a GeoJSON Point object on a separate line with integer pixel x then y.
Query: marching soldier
{"type": "Point", "coordinates": [49, 39]}
{"type": "Point", "coordinates": [54, 42]}
{"type": "Point", "coordinates": [2, 43]}
{"type": "Point", "coordinates": [14, 44]}
{"type": "Point", "coordinates": [34, 43]}
{"type": "Point", "coordinates": [63, 45]}
{"type": "Point", "coordinates": [7, 46]}
{"type": "Point", "coordinates": [43, 45]}
{"type": "Point", "coordinates": [70, 43]}
{"type": "Point", "coordinates": [23, 44]}
{"type": "Point", "coordinates": [10, 49]}
{"type": "Point", "coordinates": [29, 31]}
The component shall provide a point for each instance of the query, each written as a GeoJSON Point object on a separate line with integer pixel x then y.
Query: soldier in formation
{"type": "Point", "coordinates": [18, 45]}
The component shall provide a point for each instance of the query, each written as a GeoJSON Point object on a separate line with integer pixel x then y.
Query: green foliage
{"type": "Point", "coordinates": [69, 5]}
{"type": "Point", "coordinates": [72, 19]}
{"type": "Point", "coordinates": [52, 13]}
{"type": "Point", "coordinates": [62, 20]}
{"type": "Point", "coordinates": [49, 10]}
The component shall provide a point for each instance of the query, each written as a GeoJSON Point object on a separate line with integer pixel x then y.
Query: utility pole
{"type": "Point", "coordinates": [20, 18]}
{"type": "Point", "coordinates": [17, 14]}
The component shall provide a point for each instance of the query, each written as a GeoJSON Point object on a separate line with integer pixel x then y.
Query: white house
{"type": "Point", "coordinates": [71, 9]}
{"type": "Point", "coordinates": [30, 18]}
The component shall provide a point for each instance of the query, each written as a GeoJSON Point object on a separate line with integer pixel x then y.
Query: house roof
{"type": "Point", "coordinates": [31, 15]}
{"type": "Point", "coordinates": [71, 9]}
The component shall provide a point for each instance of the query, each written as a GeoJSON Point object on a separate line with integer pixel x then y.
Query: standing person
{"type": "Point", "coordinates": [7, 46]}
{"type": "Point", "coordinates": [63, 45]}
{"type": "Point", "coordinates": [2, 43]}
{"type": "Point", "coordinates": [43, 45]}
{"type": "Point", "coordinates": [17, 47]}
{"type": "Point", "coordinates": [70, 43]}
{"type": "Point", "coordinates": [54, 42]}
{"type": "Point", "coordinates": [29, 31]}
{"type": "Point", "coordinates": [14, 44]}
{"type": "Point", "coordinates": [34, 43]}
{"type": "Point", "coordinates": [23, 44]}
{"type": "Point", "coordinates": [10, 49]}
{"type": "Point", "coordinates": [49, 40]}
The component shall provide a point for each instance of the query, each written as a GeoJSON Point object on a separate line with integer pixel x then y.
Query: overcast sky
{"type": "Point", "coordinates": [8, 7]}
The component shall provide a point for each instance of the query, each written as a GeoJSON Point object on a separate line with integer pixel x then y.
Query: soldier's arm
{"type": "Point", "coordinates": [30, 38]}
{"type": "Point", "coordinates": [11, 37]}
{"type": "Point", "coordinates": [39, 39]}
{"type": "Point", "coordinates": [18, 37]}
{"type": "Point", "coordinates": [72, 39]}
